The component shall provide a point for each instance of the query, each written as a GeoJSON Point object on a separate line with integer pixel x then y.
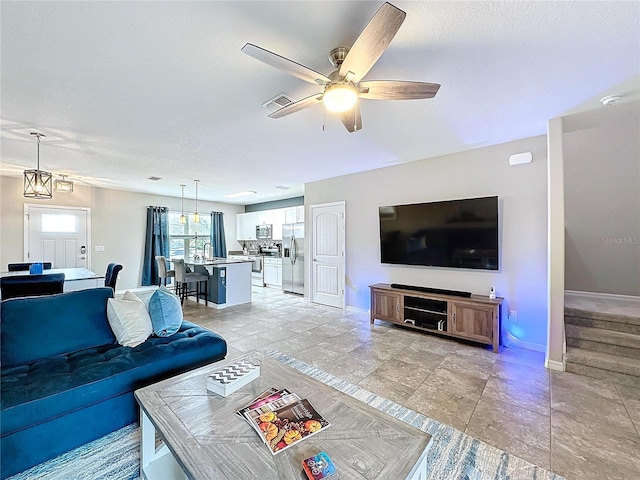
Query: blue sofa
{"type": "Point", "coordinates": [65, 379]}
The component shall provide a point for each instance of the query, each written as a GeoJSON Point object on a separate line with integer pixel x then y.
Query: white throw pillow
{"type": "Point", "coordinates": [129, 319]}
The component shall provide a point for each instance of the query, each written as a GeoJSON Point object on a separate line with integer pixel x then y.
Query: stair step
{"type": "Point", "coordinates": [603, 336]}
{"type": "Point", "coordinates": [604, 348]}
{"type": "Point", "coordinates": [604, 361]}
{"type": "Point", "coordinates": [615, 377]}
{"type": "Point", "coordinates": [602, 324]}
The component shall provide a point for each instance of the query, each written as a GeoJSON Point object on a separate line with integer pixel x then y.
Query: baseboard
{"type": "Point", "coordinates": [508, 340]}
{"type": "Point", "coordinates": [554, 365]}
{"type": "Point", "coordinates": [602, 296]}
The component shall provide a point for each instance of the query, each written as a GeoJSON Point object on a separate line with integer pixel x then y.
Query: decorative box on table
{"type": "Point", "coordinates": [230, 378]}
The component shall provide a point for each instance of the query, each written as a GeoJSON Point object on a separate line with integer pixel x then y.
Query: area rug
{"type": "Point", "coordinates": [452, 454]}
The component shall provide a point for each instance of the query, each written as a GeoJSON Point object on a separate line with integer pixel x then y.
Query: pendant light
{"type": "Point", "coordinates": [63, 186]}
{"type": "Point", "coordinates": [196, 216]}
{"type": "Point", "coordinates": [183, 219]}
{"type": "Point", "coordinates": [37, 183]}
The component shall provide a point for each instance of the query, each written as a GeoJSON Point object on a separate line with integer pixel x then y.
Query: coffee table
{"type": "Point", "coordinates": [201, 437]}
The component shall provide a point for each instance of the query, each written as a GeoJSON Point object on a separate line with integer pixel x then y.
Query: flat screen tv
{"type": "Point", "coordinates": [454, 233]}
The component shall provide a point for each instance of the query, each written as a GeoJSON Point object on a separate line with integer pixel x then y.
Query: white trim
{"type": "Point", "coordinates": [25, 227]}
{"type": "Point", "coordinates": [553, 365]}
{"type": "Point", "coordinates": [513, 342]}
{"type": "Point", "coordinates": [601, 296]}
{"type": "Point", "coordinates": [311, 253]}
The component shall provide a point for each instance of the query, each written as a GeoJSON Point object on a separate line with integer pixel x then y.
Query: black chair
{"type": "Point", "coordinates": [20, 267]}
{"type": "Point", "coordinates": [31, 285]}
{"type": "Point", "coordinates": [111, 277]}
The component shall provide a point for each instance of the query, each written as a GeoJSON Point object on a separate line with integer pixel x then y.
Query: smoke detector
{"type": "Point", "coordinates": [610, 99]}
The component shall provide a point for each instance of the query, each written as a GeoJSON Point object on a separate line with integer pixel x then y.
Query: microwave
{"type": "Point", "coordinates": [263, 232]}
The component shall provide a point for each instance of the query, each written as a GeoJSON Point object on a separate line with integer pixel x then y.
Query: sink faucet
{"type": "Point", "coordinates": [204, 251]}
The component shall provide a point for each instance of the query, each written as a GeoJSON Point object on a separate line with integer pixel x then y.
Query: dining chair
{"type": "Point", "coordinates": [31, 285]}
{"type": "Point", "coordinates": [111, 277]}
{"type": "Point", "coordinates": [20, 267]}
{"type": "Point", "coordinates": [163, 273]}
{"type": "Point", "coordinates": [184, 278]}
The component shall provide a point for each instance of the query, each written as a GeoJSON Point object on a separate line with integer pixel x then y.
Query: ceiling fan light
{"type": "Point", "coordinates": [340, 97]}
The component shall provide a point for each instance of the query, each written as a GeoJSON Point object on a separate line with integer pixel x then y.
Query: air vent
{"type": "Point", "coordinates": [279, 101]}
{"type": "Point", "coordinates": [283, 187]}
{"type": "Point", "coordinates": [155, 179]}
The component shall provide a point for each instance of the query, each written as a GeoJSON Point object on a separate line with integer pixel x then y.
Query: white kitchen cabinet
{"type": "Point", "coordinates": [273, 272]}
{"type": "Point", "coordinates": [294, 214]}
{"type": "Point", "coordinates": [278, 220]}
{"type": "Point", "coordinates": [246, 226]}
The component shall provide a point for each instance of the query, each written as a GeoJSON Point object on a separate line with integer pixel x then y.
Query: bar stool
{"type": "Point", "coordinates": [184, 278]}
{"type": "Point", "coordinates": [163, 273]}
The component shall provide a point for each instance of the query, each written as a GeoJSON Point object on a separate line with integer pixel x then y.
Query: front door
{"type": "Point", "coordinates": [327, 254]}
{"type": "Point", "coordinates": [58, 235]}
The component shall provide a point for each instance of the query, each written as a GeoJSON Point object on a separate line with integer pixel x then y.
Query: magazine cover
{"type": "Point", "coordinates": [288, 424]}
{"type": "Point", "coordinates": [262, 399]}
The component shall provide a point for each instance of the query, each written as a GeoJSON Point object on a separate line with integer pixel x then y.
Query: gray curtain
{"type": "Point", "coordinates": [218, 242]}
{"type": "Point", "coordinates": [156, 243]}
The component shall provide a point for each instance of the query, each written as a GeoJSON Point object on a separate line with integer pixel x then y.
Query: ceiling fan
{"type": "Point", "coordinates": [343, 87]}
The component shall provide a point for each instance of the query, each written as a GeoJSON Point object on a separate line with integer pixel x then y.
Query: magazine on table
{"type": "Point", "coordinates": [285, 421]}
{"type": "Point", "coordinates": [265, 397]}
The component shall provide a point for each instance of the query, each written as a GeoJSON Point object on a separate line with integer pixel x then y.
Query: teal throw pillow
{"type": "Point", "coordinates": [165, 311]}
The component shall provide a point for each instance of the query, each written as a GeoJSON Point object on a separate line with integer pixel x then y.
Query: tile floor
{"type": "Point", "coordinates": [578, 427]}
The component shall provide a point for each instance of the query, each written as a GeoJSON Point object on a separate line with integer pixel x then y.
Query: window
{"type": "Point", "coordinates": [58, 223]}
{"type": "Point", "coordinates": [187, 239]}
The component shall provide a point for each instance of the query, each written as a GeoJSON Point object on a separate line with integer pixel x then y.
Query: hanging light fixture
{"type": "Point", "coordinates": [63, 186]}
{"type": "Point", "coordinates": [183, 219]}
{"type": "Point", "coordinates": [37, 183]}
{"type": "Point", "coordinates": [196, 216]}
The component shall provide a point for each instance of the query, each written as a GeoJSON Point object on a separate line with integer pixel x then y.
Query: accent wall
{"type": "Point", "coordinates": [522, 193]}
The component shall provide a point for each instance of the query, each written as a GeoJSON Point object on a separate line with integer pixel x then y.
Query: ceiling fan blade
{"type": "Point", "coordinates": [372, 42]}
{"type": "Point", "coordinates": [297, 106]}
{"type": "Point", "coordinates": [284, 64]}
{"type": "Point", "coordinates": [396, 90]}
{"type": "Point", "coordinates": [351, 119]}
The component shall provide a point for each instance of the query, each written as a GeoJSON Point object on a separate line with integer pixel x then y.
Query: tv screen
{"type": "Point", "coordinates": [454, 233]}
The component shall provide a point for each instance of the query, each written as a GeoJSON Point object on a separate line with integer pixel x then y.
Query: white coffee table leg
{"type": "Point", "coordinates": [156, 463]}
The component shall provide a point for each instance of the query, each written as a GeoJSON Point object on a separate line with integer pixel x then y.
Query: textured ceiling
{"type": "Point", "coordinates": [128, 90]}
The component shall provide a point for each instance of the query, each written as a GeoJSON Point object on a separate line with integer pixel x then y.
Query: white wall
{"type": "Point", "coordinates": [118, 222]}
{"type": "Point", "coordinates": [602, 203]}
{"type": "Point", "coordinates": [522, 192]}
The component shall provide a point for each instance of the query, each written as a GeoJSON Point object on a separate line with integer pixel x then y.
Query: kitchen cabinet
{"type": "Point", "coordinates": [278, 220]}
{"type": "Point", "coordinates": [246, 226]}
{"type": "Point", "coordinates": [294, 214]}
{"type": "Point", "coordinates": [273, 272]}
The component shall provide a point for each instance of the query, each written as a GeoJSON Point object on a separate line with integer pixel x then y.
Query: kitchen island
{"type": "Point", "coordinates": [229, 280]}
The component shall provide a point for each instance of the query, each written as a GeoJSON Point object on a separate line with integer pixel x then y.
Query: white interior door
{"type": "Point", "coordinates": [327, 254]}
{"type": "Point", "coordinates": [58, 235]}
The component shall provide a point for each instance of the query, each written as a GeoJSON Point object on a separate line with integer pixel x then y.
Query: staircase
{"type": "Point", "coordinates": [603, 337]}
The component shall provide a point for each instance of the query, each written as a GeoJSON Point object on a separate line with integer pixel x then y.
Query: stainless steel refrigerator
{"type": "Point", "coordinates": [293, 257]}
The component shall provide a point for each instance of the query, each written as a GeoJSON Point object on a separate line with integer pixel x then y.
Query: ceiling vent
{"type": "Point", "coordinates": [154, 179]}
{"type": "Point", "coordinates": [279, 101]}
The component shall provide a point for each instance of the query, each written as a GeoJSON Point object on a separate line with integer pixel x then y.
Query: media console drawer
{"type": "Point", "coordinates": [475, 318]}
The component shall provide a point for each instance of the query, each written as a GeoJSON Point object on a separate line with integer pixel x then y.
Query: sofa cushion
{"type": "Point", "coordinates": [165, 311]}
{"type": "Point", "coordinates": [34, 328]}
{"type": "Point", "coordinates": [129, 319]}
{"type": "Point", "coordinates": [54, 386]}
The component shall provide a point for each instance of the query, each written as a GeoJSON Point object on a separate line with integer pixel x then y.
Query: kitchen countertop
{"type": "Point", "coordinates": [216, 261]}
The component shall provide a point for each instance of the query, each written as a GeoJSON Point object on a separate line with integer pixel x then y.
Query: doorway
{"type": "Point", "coordinates": [328, 254]}
{"type": "Point", "coordinates": [59, 235]}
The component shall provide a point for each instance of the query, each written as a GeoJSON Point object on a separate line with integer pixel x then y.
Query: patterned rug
{"type": "Point", "coordinates": [452, 454]}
